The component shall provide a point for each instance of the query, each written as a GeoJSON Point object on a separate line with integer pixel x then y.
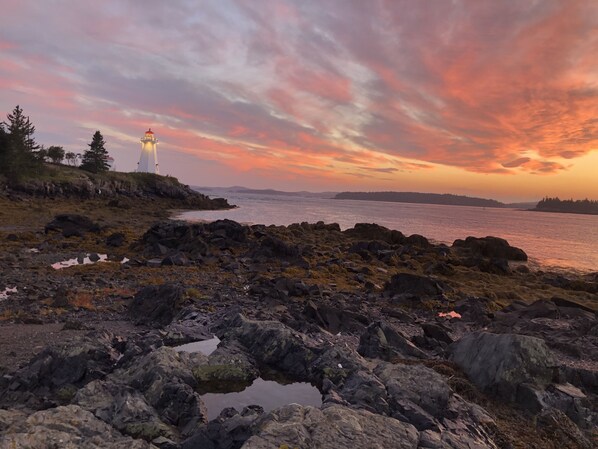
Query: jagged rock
{"type": "Point", "coordinates": [67, 427]}
{"type": "Point", "coordinates": [270, 247]}
{"type": "Point", "coordinates": [72, 225]}
{"type": "Point", "coordinates": [331, 428]}
{"type": "Point", "coordinates": [562, 430]}
{"type": "Point", "coordinates": [123, 407]}
{"type": "Point", "coordinates": [229, 230]}
{"type": "Point", "coordinates": [406, 283]}
{"type": "Point", "coordinates": [491, 247]}
{"type": "Point", "coordinates": [229, 431]}
{"type": "Point", "coordinates": [362, 389]}
{"type": "Point", "coordinates": [58, 370]}
{"type": "Point", "coordinates": [436, 332]}
{"type": "Point", "coordinates": [174, 236]}
{"type": "Point", "coordinates": [186, 327]}
{"type": "Point", "coordinates": [157, 304]}
{"type": "Point", "coordinates": [334, 319]}
{"type": "Point", "coordinates": [270, 342]}
{"type": "Point", "coordinates": [154, 395]}
{"type": "Point", "coordinates": [416, 392]}
{"type": "Point", "coordinates": [228, 364]}
{"type": "Point", "coordinates": [499, 363]}
{"type": "Point", "coordinates": [380, 340]}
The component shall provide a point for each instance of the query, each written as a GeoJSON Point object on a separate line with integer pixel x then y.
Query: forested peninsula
{"type": "Point", "coordinates": [586, 206]}
{"type": "Point", "coordinates": [415, 197]}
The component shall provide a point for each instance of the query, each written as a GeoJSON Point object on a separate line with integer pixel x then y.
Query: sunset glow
{"type": "Point", "coordinates": [485, 98]}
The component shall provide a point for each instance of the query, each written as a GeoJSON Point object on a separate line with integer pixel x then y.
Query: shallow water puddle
{"type": "Point", "coordinates": [79, 261]}
{"type": "Point", "coordinates": [265, 393]}
{"type": "Point", "coordinates": [206, 347]}
{"type": "Point", "coordinates": [7, 292]}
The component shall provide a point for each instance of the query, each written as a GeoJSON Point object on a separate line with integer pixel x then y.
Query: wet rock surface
{"type": "Point", "coordinates": [410, 344]}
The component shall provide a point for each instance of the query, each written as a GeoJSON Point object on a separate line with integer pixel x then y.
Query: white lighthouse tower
{"type": "Point", "coordinates": [148, 162]}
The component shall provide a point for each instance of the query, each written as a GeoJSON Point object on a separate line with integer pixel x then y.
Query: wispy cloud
{"type": "Point", "coordinates": [315, 89]}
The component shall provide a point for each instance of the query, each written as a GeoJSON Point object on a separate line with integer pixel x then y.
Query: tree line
{"type": "Point", "coordinates": [573, 206]}
{"type": "Point", "coordinates": [21, 156]}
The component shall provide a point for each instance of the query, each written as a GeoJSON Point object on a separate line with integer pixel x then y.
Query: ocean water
{"type": "Point", "coordinates": [556, 241]}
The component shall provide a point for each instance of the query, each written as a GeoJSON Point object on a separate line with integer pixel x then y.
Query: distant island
{"type": "Point", "coordinates": [425, 198]}
{"type": "Point", "coordinates": [239, 189]}
{"type": "Point", "coordinates": [586, 206]}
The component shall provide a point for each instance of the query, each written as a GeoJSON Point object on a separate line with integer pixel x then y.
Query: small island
{"type": "Point", "coordinates": [587, 207]}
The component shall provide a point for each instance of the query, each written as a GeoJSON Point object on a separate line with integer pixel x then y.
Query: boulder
{"type": "Point", "coordinates": [124, 408]}
{"type": "Point", "coordinates": [499, 363]}
{"type": "Point", "coordinates": [491, 247]}
{"type": "Point", "coordinates": [335, 319]}
{"type": "Point", "coordinates": [407, 283]}
{"type": "Point", "coordinates": [331, 428]}
{"type": "Point", "coordinates": [67, 427]}
{"type": "Point", "coordinates": [157, 305]}
{"type": "Point", "coordinates": [57, 371]}
{"type": "Point", "coordinates": [373, 231]}
{"type": "Point", "coordinates": [269, 342]}
{"type": "Point", "coordinates": [381, 340]}
{"type": "Point", "coordinates": [72, 225]}
{"type": "Point", "coordinates": [416, 394]}
{"type": "Point", "coordinates": [154, 395]}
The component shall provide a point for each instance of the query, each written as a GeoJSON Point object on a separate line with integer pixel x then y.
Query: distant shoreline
{"type": "Point", "coordinates": [445, 199]}
{"type": "Point", "coordinates": [556, 211]}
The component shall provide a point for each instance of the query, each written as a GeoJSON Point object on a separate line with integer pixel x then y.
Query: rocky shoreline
{"type": "Point", "coordinates": [410, 344]}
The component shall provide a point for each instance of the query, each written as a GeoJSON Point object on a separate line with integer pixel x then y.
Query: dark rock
{"type": "Point", "coordinates": [418, 240]}
{"type": "Point", "coordinates": [94, 257]}
{"type": "Point", "coordinates": [58, 369]}
{"type": "Point", "coordinates": [270, 343]}
{"type": "Point", "coordinates": [228, 229]}
{"type": "Point", "coordinates": [380, 340]}
{"type": "Point", "coordinates": [491, 247]}
{"type": "Point", "coordinates": [270, 247]}
{"type": "Point", "coordinates": [229, 431]}
{"type": "Point", "coordinates": [72, 225]}
{"type": "Point", "coordinates": [116, 239]}
{"type": "Point", "coordinates": [157, 304]}
{"type": "Point", "coordinates": [372, 231]}
{"type": "Point", "coordinates": [436, 332]}
{"type": "Point", "coordinates": [406, 283]}
{"type": "Point", "coordinates": [334, 319]}
{"type": "Point", "coordinates": [499, 363]}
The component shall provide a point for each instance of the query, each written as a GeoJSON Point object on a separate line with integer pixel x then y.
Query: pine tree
{"type": "Point", "coordinates": [95, 159]}
{"type": "Point", "coordinates": [19, 152]}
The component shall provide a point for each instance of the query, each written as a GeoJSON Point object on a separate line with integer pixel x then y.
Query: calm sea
{"type": "Point", "coordinates": [563, 241]}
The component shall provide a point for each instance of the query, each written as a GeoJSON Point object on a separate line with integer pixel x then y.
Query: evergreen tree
{"type": "Point", "coordinates": [19, 152]}
{"type": "Point", "coordinates": [95, 159]}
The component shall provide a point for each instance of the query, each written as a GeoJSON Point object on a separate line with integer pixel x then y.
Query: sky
{"type": "Point", "coordinates": [479, 97]}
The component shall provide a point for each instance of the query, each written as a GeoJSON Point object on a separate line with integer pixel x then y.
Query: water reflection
{"type": "Point", "coordinates": [265, 393]}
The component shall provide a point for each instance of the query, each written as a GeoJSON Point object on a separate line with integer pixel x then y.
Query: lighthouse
{"type": "Point", "coordinates": [148, 162]}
